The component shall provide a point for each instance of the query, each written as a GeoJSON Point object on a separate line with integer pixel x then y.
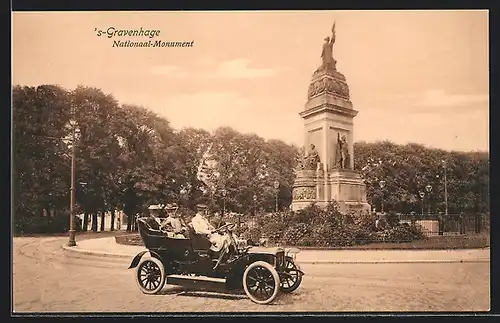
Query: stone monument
{"type": "Point", "coordinates": [326, 166]}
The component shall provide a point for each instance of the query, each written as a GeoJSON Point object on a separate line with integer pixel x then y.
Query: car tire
{"type": "Point", "coordinates": [290, 284]}
{"type": "Point", "coordinates": [150, 275]}
{"type": "Point", "coordinates": [257, 278]}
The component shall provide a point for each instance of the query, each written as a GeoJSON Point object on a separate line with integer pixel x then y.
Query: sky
{"type": "Point", "coordinates": [414, 76]}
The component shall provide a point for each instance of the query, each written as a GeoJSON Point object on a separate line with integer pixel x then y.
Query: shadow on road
{"type": "Point", "coordinates": [202, 294]}
{"type": "Point", "coordinates": [182, 291]}
{"type": "Point", "coordinates": [172, 291]}
{"type": "Point", "coordinates": [283, 299]}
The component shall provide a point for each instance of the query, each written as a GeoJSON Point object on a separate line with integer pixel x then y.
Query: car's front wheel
{"type": "Point", "coordinates": [261, 282]}
{"type": "Point", "coordinates": [150, 275]}
{"type": "Point", "coordinates": [291, 277]}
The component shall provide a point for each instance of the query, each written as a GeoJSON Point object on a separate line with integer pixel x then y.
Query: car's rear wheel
{"type": "Point", "coordinates": [261, 282]}
{"type": "Point", "coordinates": [291, 277]}
{"type": "Point", "coordinates": [150, 275]}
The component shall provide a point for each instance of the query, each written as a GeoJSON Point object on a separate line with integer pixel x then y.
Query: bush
{"type": "Point", "coordinates": [317, 227]}
{"type": "Point", "coordinates": [296, 234]}
{"type": "Point", "coordinates": [401, 233]}
{"type": "Point", "coordinates": [253, 234]}
{"type": "Point", "coordinates": [274, 228]}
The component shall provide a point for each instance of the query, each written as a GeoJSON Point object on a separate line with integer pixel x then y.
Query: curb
{"type": "Point", "coordinates": [309, 262]}
{"type": "Point", "coordinates": [96, 253]}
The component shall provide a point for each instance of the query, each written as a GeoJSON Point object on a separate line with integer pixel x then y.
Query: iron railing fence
{"type": "Point", "coordinates": [449, 224]}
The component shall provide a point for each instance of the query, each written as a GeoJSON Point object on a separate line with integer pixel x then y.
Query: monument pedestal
{"type": "Point", "coordinates": [344, 186]}
{"type": "Point", "coordinates": [349, 190]}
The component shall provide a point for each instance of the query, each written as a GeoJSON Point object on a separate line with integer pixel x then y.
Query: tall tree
{"type": "Point", "coordinates": [40, 163]}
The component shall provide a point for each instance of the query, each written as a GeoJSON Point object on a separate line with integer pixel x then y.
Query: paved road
{"type": "Point", "coordinates": [46, 278]}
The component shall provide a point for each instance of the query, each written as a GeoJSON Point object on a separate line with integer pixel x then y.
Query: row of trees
{"type": "Point", "coordinates": [127, 157]}
{"type": "Point", "coordinates": [408, 169]}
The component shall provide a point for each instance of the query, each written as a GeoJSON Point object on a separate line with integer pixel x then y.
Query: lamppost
{"type": "Point", "coordinates": [276, 187]}
{"type": "Point", "coordinates": [72, 201]}
{"type": "Point", "coordinates": [428, 188]}
{"type": "Point", "coordinates": [254, 204]}
{"type": "Point", "coordinates": [224, 193]}
{"type": "Point", "coordinates": [382, 185]}
{"type": "Point", "coordinates": [72, 241]}
{"type": "Point", "coordinates": [422, 195]}
{"type": "Point", "coordinates": [445, 189]}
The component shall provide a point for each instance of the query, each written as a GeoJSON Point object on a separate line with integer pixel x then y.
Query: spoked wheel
{"type": "Point", "coordinates": [150, 275]}
{"type": "Point", "coordinates": [291, 278]}
{"type": "Point", "coordinates": [261, 282]}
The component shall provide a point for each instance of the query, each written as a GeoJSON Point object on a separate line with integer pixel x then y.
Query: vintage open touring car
{"type": "Point", "coordinates": [189, 262]}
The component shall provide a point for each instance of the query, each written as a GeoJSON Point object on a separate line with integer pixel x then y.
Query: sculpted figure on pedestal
{"type": "Point", "coordinates": [312, 159]}
{"type": "Point", "coordinates": [338, 153]}
{"type": "Point", "coordinates": [342, 156]}
{"type": "Point", "coordinates": [345, 154]}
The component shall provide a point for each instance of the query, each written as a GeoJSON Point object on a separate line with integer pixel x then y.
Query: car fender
{"type": "Point", "coordinates": [138, 257]}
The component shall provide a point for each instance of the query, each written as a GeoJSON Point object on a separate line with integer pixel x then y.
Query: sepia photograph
{"type": "Point", "coordinates": [250, 161]}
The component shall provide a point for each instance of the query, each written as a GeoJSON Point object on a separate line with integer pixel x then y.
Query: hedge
{"type": "Point", "coordinates": [327, 227]}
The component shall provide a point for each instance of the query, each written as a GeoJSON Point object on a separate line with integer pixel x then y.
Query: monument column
{"type": "Point", "coordinates": [328, 122]}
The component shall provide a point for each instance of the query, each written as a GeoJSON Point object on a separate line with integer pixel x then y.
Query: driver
{"type": "Point", "coordinates": [202, 225]}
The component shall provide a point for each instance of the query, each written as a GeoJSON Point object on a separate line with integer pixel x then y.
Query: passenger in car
{"type": "Point", "coordinates": [173, 224]}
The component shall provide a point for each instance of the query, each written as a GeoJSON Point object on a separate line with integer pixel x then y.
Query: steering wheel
{"type": "Point", "coordinates": [228, 226]}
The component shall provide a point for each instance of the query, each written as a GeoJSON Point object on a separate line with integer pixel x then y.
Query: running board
{"type": "Point", "coordinates": [196, 282]}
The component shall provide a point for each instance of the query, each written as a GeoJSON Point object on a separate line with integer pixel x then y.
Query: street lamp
{"type": "Point", "coordinates": [276, 187]}
{"type": "Point", "coordinates": [422, 194]}
{"type": "Point", "coordinates": [428, 188]}
{"type": "Point", "coordinates": [72, 201]}
{"type": "Point", "coordinates": [224, 193]}
{"type": "Point", "coordinates": [254, 204]}
{"type": "Point", "coordinates": [445, 189]}
{"type": "Point", "coordinates": [72, 241]}
{"type": "Point", "coordinates": [382, 185]}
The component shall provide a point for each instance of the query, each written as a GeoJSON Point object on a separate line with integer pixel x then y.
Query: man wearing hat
{"type": "Point", "coordinates": [173, 224]}
{"type": "Point", "coordinates": [155, 210]}
{"type": "Point", "coordinates": [202, 225]}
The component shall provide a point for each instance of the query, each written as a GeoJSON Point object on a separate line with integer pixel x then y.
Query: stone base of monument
{"type": "Point", "coordinates": [344, 186]}
{"type": "Point", "coordinates": [302, 204]}
{"type": "Point", "coordinates": [349, 190]}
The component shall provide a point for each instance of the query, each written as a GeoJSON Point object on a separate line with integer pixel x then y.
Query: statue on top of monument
{"type": "Point", "coordinates": [327, 54]}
